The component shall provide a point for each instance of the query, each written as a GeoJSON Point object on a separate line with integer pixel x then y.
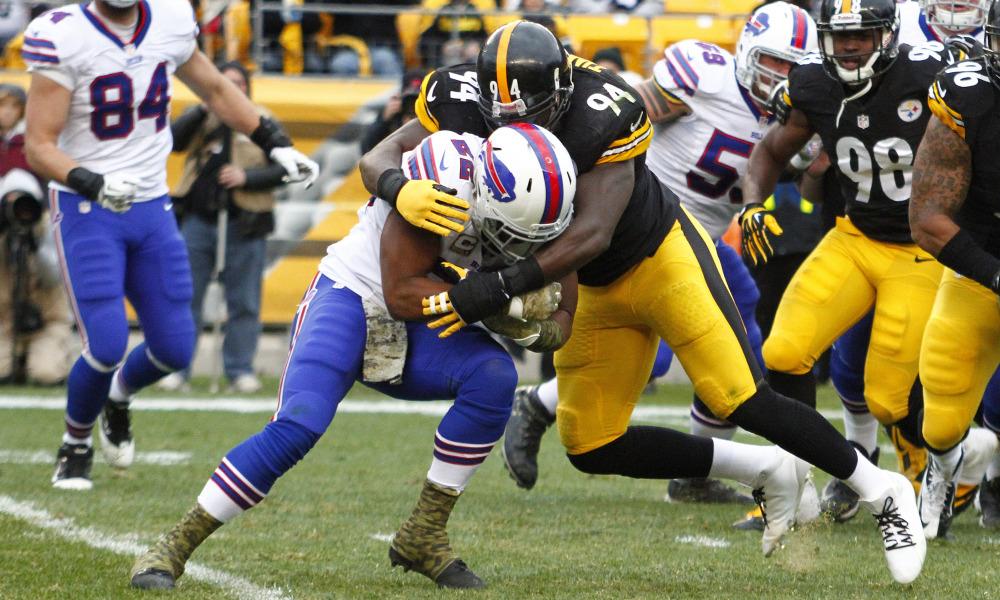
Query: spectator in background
{"type": "Point", "coordinates": [210, 23]}
{"type": "Point", "coordinates": [12, 101]}
{"type": "Point", "coordinates": [398, 110]}
{"type": "Point", "coordinates": [14, 17]}
{"type": "Point", "coordinates": [455, 36]}
{"type": "Point", "coordinates": [611, 59]}
{"type": "Point", "coordinates": [639, 8]}
{"type": "Point", "coordinates": [378, 31]}
{"type": "Point", "coordinates": [224, 169]}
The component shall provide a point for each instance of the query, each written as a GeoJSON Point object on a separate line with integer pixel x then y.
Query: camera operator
{"type": "Point", "coordinates": [35, 328]}
{"type": "Point", "coordinates": [12, 101]}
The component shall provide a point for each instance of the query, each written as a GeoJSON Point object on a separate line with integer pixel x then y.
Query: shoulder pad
{"type": "Point", "coordinates": [53, 38]}
{"type": "Point", "coordinates": [929, 56]}
{"type": "Point", "coordinates": [690, 68]}
{"type": "Point", "coordinates": [807, 82]}
{"type": "Point", "coordinates": [961, 93]}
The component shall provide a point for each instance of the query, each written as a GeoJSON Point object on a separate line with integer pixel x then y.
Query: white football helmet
{"type": "Point", "coordinates": [779, 30]}
{"type": "Point", "coordinates": [955, 16]}
{"type": "Point", "coordinates": [525, 182]}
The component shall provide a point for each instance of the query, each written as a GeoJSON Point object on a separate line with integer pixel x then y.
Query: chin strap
{"type": "Point", "coordinates": [864, 90]}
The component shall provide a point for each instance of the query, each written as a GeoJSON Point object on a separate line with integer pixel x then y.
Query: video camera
{"type": "Point", "coordinates": [19, 211]}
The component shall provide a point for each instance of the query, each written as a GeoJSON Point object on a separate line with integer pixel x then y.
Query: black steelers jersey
{"type": "Point", "coordinates": [606, 122]}
{"type": "Point", "coordinates": [872, 140]}
{"type": "Point", "coordinates": [964, 98]}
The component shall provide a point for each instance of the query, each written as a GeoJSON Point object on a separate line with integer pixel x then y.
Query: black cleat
{"type": "Point", "coordinates": [73, 463]}
{"type": "Point", "coordinates": [839, 502]}
{"type": "Point", "coordinates": [989, 503]}
{"type": "Point", "coordinates": [523, 436]}
{"type": "Point", "coordinates": [752, 521]}
{"type": "Point", "coordinates": [457, 575]}
{"type": "Point", "coordinates": [153, 579]}
{"type": "Point", "coordinates": [115, 431]}
{"type": "Point", "coordinates": [704, 490]}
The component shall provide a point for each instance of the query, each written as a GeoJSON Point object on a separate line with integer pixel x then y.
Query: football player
{"type": "Point", "coordinates": [360, 320]}
{"type": "Point", "coordinates": [865, 96]}
{"type": "Point", "coordinates": [709, 121]}
{"type": "Point", "coordinates": [937, 20]}
{"type": "Point", "coordinates": [98, 129]}
{"type": "Point", "coordinates": [954, 217]}
{"type": "Point", "coordinates": [647, 270]}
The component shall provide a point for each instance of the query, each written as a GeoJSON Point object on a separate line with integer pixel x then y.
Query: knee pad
{"type": "Point", "coordinates": [487, 393]}
{"type": "Point", "coordinates": [172, 354]}
{"type": "Point", "coordinates": [780, 354]}
{"type": "Point", "coordinates": [106, 349]}
{"type": "Point", "coordinates": [944, 426]}
{"type": "Point", "coordinates": [309, 410]}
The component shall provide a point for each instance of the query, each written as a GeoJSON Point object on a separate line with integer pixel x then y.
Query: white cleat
{"type": "Point", "coordinates": [937, 498]}
{"type": "Point", "coordinates": [115, 431]}
{"type": "Point", "coordinates": [979, 449]}
{"type": "Point", "coordinates": [779, 495]}
{"type": "Point", "coordinates": [808, 510]}
{"type": "Point", "coordinates": [896, 514]}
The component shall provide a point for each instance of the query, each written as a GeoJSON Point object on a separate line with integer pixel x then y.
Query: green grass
{"type": "Point", "coordinates": [573, 536]}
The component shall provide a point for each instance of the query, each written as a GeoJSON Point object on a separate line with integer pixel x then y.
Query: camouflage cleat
{"type": "Point", "coordinates": [523, 436]}
{"type": "Point", "coordinates": [422, 545]}
{"type": "Point", "coordinates": [989, 503]}
{"type": "Point", "coordinates": [164, 562]}
{"type": "Point", "coordinates": [704, 490]}
{"type": "Point", "coordinates": [912, 458]}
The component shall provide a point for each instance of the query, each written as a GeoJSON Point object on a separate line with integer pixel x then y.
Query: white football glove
{"type": "Point", "coordinates": [537, 305]}
{"type": "Point", "coordinates": [118, 192]}
{"type": "Point", "coordinates": [298, 166]}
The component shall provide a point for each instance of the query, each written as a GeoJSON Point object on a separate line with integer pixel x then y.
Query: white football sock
{"type": "Point", "coordinates": [741, 462]}
{"type": "Point", "coordinates": [119, 393]}
{"type": "Point", "coordinates": [548, 393]}
{"type": "Point", "coordinates": [217, 503]}
{"type": "Point", "coordinates": [708, 426]}
{"type": "Point", "coordinates": [862, 429]}
{"type": "Point", "coordinates": [867, 480]}
{"type": "Point", "coordinates": [455, 463]}
{"type": "Point", "coordinates": [993, 471]}
{"type": "Point", "coordinates": [948, 461]}
{"type": "Point", "coordinates": [69, 439]}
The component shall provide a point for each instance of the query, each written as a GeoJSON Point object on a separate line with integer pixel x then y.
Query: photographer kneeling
{"type": "Point", "coordinates": [35, 326]}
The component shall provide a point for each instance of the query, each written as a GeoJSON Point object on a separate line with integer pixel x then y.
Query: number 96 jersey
{"type": "Point", "coordinates": [872, 140]}
{"type": "Point", "coordinates": [964, 98]}
{"type": "Point", "coordinates": [119, 116]}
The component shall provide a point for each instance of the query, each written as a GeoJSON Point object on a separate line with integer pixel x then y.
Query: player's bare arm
{"type": "Point", "coordinates": [424, 203]}
{"type": "Point", "coordinates": [46, 114]}
{"type": "Point", "coordinates": [772, 154]}
{"type": "Point", "coordinates": [942, 171]}
{"type": "Point", "coordinates": [601, 197]}
{"type": "Point", "coordinates": [408, 255]}
{"type": "Point", "coordinates": [660, 109]}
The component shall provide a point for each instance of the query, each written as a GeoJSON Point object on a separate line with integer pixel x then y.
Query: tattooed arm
{"type": "Point", "coordinates": [941, 175]}
{"type": "Point", "coordinates": [660, 108]}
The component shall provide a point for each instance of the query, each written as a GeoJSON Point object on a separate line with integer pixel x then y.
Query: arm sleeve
{"type": "Point", "coordinates": [184, 128]}
{"type": "Point", "coordinates": [264, 178]}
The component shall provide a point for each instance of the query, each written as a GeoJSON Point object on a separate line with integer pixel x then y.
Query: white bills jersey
{"type": "Point", "coordinates": [445, 157]}
{"type": "Point", "coordinates": [913, 27]}
{"type": "Point", "coordinates": [703, 155]}
{"type": "Point", "coordinates": [119, 116]}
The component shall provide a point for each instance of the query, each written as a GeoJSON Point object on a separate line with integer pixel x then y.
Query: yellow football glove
{"type": "Point", "coordinates": [755, 222]}
{"type": "Point", "coordinates": [440, 304]}
{"type": "Point", "coordinates": [537, 305]}
{"type": "Point", "coordinates": [428, 205]}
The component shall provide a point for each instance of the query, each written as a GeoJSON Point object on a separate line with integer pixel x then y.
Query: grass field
{"type": "Point", "coordinates": [323, 531]}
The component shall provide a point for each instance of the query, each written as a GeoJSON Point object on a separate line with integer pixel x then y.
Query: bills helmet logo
{"type": "Point", "coordinates": [759, 24]}
{"type": "Point", "coordinates": [498, 178]}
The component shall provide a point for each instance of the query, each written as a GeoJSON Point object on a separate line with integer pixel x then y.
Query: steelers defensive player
{"type": "Point", "coordinates": [955, 215]}
{"type": "Point", "coordinates": [646, 270]}
{"type": "Point", "coordinates": [866, 97]}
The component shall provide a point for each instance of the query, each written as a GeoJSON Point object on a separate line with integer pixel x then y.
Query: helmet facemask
{"type": "Point", "coordinates": [544, 109]}
{"type": "Point", "coordinates": [955, 16]}
{"type": "Point", "coordinates": [763, 79]}
{"type": "Point", "coordinates": [992, 52]}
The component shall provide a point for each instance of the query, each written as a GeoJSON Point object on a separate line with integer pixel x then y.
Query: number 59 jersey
{"type": "Point", "coordinates": [702, 156]}
{"type": "Point", "coordinates": [119, 117]}
{"type": "Point", "coordinates": [872, 139]}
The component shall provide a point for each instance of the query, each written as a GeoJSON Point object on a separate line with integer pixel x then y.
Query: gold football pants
{"type": "Point", "coordinates": [836, 285]}
{"type": "Point", "coordinates": [960, 352]}
{"type": "Point", "coordinates": [678, 294]}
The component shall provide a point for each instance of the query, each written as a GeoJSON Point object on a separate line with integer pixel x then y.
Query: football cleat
{"type": "Point", "coordinates": [752, 521]}
{"type": "Point", "coordinates": [898, 519]}
{"type": "Point", "coordinates": [808, 509]}
{"type": "Point", "coordinates": [911, 457]}
{"type": "Point", "coordinates": [704, 490]}
{"type": "Point", "coordinates": [523, 436]}
{"type": "Point", "coordinates": [937, 500]}
{"type": "Point", "coordinates": [989, 503]}
{"type": "Point", "coordinates": [839, 501]}
{"type": "Point", "coordinates": [115, 431]}
{"type": "Point", "coordinates": [73, 463]}
{"type": "Point", "coordinates": [159, 567]}
{"type": "Point", "coordinates": [778, 497]}
{"type": "Point", "coordinates": [965, 496]}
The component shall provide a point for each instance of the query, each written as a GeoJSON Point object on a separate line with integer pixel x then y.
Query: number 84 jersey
{"type": "Point", "coordinates": [120, 83]}
{"type": "Point", "coordinates": [871, 139]}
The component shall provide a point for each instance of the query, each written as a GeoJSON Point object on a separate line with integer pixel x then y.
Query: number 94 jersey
{"type": "Point", "coordinates": [964, 98]}
{"type": "Point", "coordinates": [872, 140]}
{"type": "Point", "coordinates": [119, 116]}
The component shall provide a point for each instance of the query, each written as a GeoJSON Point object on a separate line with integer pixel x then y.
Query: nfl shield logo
{"type": "Point", "coordinates": [863, 121]}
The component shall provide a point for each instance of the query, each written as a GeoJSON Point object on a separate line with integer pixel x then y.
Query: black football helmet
{"type": "Point", "coordinates": [524, 76]}
{"type": "Point", "coordinates": [877, 18]}
{"type": "Point", "coordinates": [992, 39]}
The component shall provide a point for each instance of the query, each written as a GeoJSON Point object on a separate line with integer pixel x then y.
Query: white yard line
{"type": "Point", "coordinates": [382, 537]}
{"type": "Point", "coordinates": [702, 540]}
{"type": "Point", "coordinates": [234, 404]}
{"type": "Point", "coordinates": [130, 546]}
{"type": "Point", "coordinates": [40, 457]}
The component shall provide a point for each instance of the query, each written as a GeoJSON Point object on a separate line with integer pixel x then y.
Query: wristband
{"type": "Point", "coordinates": [85, 182]}
{"type": "Point", "coordinates": [525, 276]}
{"type": "Point", "coordinates": [269, 136]}
{"type": "Point", "coordinates": [964, 256]}
{"type": "Point", "coordinates": [389, 184]}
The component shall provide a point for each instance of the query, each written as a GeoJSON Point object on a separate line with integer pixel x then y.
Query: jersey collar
{"type": "Point", "coordinates": [141, 28]}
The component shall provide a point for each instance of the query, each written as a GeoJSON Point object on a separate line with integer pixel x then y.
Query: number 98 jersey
{"type": "Point", "coordinates": [119, 116]}
{"type": "Point", "coordinates": [872, 140]}
{"type": "Point", "coordinates": [964, 98]}
{"type": "Point", "coordinates": [606, 122]}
